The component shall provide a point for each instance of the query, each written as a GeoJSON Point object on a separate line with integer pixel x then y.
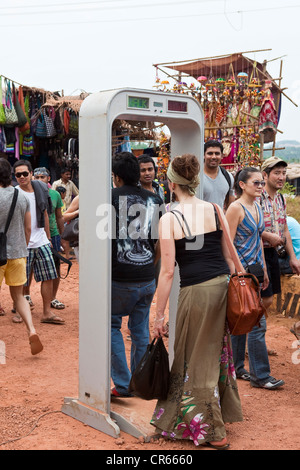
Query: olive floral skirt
{"type": "Point", "coordinates": [203, 392]}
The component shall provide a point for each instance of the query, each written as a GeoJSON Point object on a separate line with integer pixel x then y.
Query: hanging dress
{"type": "Point", "coordinates": [268, 120]}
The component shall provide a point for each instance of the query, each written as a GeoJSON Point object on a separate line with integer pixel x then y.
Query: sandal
{"type": "Point", "coordinates": [17, 319]}
{"type": "Point", "coordinates": [272, 352]}
{"type": "Point", "coordinates": [57, 304]}
{"type": "Point", "coordinates": [53, 320]}
{"type": "Point", "coordinates": [28, 298]}
{"type": "Point", "coordinates": [295, 330]}
{"type": "Point", "coordinates": [216, 447]}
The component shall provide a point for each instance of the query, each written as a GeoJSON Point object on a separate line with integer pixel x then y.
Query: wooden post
{"type": "Point", "coordinates": [278, 104]}
{"type": "Point", "coordinates": [262, 144]}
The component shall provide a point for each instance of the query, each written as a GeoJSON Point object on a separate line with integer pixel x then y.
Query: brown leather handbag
{"type": "Point", "coordinates": [244, 305]}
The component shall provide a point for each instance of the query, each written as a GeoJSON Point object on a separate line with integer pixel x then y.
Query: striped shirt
{"type": "Point", "coordinates": [274, 211]}
{"type": "Point", "coordinates": [248, 238]}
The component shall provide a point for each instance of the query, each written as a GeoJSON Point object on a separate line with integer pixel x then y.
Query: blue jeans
{"type": "Point", "coordinates": [132, 300]}
{"type": "Point", "coordinates": [258, 354]}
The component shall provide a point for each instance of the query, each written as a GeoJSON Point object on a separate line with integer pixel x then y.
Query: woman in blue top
{"type": "Point", "coordinates": [246, 223]}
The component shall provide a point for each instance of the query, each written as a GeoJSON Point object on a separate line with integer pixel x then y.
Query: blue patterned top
{"type": "Point", "coordinates": [248, 238]}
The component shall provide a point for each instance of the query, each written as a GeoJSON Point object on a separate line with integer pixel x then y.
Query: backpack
{"type": "Point", "coordinates": [3, 238]}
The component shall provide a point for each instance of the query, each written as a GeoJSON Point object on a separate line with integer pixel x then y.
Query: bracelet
{"type": "Point", "coordinates": [160, 319]}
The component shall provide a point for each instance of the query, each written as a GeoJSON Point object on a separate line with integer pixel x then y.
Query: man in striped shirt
{"type": "Point", "coordinates": [276, 236]}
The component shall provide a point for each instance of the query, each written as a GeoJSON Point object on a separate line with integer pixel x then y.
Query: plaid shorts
{"type": "Point", "coordinates": [41, 262]}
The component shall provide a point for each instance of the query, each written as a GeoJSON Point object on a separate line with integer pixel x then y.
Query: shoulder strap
{"type": "Point", "coordinates": [227, 176]}
{"type": "Point", "coordinates": [218, 226]}
{"type": "Point", "coordinates": [237, 263]}
{"type": "Point", "coordinates": [64, 260]}
{"type": "Point", "coordinates": [174, 212]}
{"type": "Point", "coordinates": [12, 210]}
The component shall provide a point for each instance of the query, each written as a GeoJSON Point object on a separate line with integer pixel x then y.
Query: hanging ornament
{"type": "Point", "coordinates": [243, 78]}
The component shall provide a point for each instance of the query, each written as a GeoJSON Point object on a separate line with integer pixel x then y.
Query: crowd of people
{"type": "Point", "coordinates": [183, 230]}
{"type": "Point", "coordinates": [33, 240]}
{"type": "Point", "coordinates": [203, 393]}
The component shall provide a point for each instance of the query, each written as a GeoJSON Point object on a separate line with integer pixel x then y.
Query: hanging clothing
{"type": "Point", "coordinates": [268, 120]}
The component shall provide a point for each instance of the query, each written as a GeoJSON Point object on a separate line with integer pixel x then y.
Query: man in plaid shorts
{"type": "Point", "coordinates": [40, 261]}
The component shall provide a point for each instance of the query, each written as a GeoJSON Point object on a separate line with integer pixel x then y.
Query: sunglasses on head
{"type": "Point", "coordinates": [22, 173]}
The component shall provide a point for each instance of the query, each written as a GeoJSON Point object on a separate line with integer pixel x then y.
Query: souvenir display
{"type": "Point", "coordinates": [236, 95]}
{"type": "Point", "coordinates": [39, 125]}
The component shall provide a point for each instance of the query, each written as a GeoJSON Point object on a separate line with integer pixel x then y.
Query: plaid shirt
{"type": "Point", "coordinates": [274, 214]}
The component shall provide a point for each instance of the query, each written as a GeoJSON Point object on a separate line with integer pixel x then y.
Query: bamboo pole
{"type": "Point", "coordinates": [278, 104]}
{"type": "Point", "coordinates": [275, 84]}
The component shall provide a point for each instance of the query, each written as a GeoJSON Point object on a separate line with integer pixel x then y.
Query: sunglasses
{"type": "Point", "coordinates": [259, 183]}
{"type": "Point", "coordinates": [22, 173]}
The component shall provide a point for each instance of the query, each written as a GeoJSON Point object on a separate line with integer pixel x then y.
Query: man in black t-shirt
{"type": "Point", "coordinates": [135, 226]}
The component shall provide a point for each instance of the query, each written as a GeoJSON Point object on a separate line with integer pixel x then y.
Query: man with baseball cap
{"type": "Point", "coordinates": [56, 226]}
{"type": "Point", "coordinates": [276, 237]}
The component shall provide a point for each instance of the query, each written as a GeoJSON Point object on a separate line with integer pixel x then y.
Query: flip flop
{"type": "Point", "coordinates": [17, 319]}
{"type": "Point", "coordinates": [212, 446]}
{"type": "Point", "coordinates": [295, 332]}
{"type": "Point", "coordinates": [57, 304]}
{"type": "Point", "coordinates": [35, 345]}
{"type": "Point", "coordinates": [53, 320]}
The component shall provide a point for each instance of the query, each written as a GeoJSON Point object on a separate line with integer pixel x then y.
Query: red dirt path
{"type": "Point", "coordinates": [32, 389]}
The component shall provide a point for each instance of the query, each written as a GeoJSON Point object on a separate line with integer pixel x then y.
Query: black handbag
{"type": "Point", "coordinates": [3, 238]}
{"type": "Point", "coordinates": [257, 271]}
{"type": "Point", "coordinates": [71, 231]}
{"type": "Point", "coordinates": [150, 380]}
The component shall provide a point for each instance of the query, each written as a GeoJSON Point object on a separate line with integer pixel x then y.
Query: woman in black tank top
{"type": "Point", "coordinates": [203, 392]}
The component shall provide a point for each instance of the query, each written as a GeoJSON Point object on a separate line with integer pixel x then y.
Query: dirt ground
{"type": "Point", "coordinates": [32, 389]}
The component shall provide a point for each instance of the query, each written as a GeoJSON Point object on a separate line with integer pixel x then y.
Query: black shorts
{"type": "Point", "coordinates": [273, 267]}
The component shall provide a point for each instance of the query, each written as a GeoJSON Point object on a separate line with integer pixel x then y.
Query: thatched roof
{"type": "Point", "coordinates": [293, 171]}
{"type": "Point", "coordinates": [72, 102]}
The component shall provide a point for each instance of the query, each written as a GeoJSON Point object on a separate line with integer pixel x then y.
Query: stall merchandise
{"type": "Point", "coordinates": [240, 100]}
{"type": "Point", "coordinates": [40, 126]}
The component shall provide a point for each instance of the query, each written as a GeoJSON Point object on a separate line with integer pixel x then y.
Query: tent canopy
{"type": "Point", "coordinates": [224, 67]}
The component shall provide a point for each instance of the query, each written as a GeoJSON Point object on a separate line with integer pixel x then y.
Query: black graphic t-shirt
{"type": "Point", "coordinates": [135, 232]}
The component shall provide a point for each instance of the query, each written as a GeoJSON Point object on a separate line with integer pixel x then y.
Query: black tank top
{"type": "Point", "coordinates": [200, 258]}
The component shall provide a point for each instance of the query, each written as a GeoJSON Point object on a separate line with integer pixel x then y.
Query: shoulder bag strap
{"type": "Point", "coordinates": [237, 263]}
{"type": "Point", "coordinates": [64, 260]}
{"type": "Point", "coordinates": [12, 210]}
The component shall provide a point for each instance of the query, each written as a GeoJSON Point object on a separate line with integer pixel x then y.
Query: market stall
{"type": "Point", "coordinates": [40, 126]}
{"type": "Point", "coordinates": [240, 99]}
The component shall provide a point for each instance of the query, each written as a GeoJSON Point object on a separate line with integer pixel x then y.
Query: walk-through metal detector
{"type": "Point", "coordinates": [184, 118]}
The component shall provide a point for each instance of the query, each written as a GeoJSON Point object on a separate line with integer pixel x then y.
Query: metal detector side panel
{"type": "Point", "coordinates": [97, 115]}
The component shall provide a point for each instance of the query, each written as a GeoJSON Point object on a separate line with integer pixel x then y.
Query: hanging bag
{"type": "Point", "coordinates": [22, 120]}
{"type": "Point", "coordinates": [49, 122]}
{"type": "Point", "coordinates": [10, 111]}
{"type": "Point", "coordinates": [26, 126]}
{"type": "Point", "coordinates": [71, 231]}
{"type": "Point", "coordinates": [2, 111]}
{"type": "Point", "coordinates": [150, 380]}
{"type": "Point", "coordinates": [41, 130]}
{"type": "Point", "coordinates": [244, 304]}
{"type": "Point", "coordinates": [3, 238]}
